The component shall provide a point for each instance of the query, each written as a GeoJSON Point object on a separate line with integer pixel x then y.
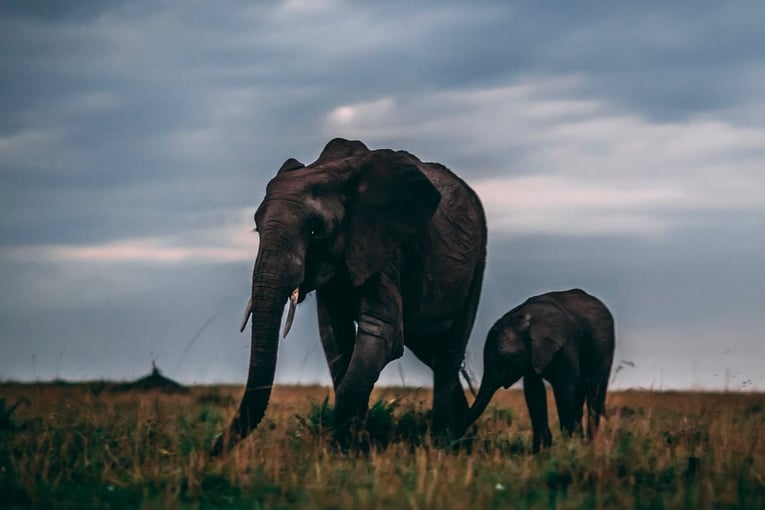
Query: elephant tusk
{"type": "Point", "coordinates": [247, 313]}
{"type": "Point", "coordinates": [291, 313]}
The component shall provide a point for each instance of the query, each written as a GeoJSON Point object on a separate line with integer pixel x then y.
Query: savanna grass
{"type": "Point", "coordinates": [73, 447]}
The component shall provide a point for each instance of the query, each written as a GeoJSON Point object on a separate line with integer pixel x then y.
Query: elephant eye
{"type": "Point", "coordinates": [316, 230]}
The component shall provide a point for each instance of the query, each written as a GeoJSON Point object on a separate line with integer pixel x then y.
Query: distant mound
{"type": "Point", "coordinates": [153, 381]}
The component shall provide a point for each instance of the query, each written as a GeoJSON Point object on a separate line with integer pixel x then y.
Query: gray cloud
{"type": "Point", "coordinates": [617, 148]}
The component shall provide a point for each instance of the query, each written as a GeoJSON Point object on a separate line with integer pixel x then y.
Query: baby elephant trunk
{"type": "Point", "coordinates": [488, 387]}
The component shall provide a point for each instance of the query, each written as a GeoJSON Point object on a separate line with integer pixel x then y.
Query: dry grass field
{"type": "Point", "coordinates": [81, 446]}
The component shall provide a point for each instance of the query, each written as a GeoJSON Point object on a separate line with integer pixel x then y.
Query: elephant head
{"type": "Point", "coordinates": [337, 219]}
{"type": "Point", "coordinates": [526, 338]}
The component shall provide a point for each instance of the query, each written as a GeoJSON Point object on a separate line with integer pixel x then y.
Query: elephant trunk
{"type": "Point", "coordinates": [487, 390]}
{"type": "Point", "coordinates": [271, 286]}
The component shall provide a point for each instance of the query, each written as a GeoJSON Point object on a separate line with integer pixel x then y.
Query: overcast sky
{"type": "Point", "coordinates": [616, 148]}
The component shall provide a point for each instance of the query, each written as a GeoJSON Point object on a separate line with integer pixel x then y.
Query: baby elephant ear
{"type": "Point", "coordinates": [392, 200]}
{"type": "Point", "coordinates": [548, 335]}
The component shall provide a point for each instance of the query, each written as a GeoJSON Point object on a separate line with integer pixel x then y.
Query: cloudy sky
{"type": "Point", "coordinates": [620, 149]}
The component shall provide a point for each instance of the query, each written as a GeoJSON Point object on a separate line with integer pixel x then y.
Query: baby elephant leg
{"type": "Point", "coordinates": [536, 402]}
{"type": "Point", "coordinates": [566, 400]}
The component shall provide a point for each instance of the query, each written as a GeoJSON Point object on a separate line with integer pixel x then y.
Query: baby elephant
{"type": "Point", "coordinates": [564, 337]}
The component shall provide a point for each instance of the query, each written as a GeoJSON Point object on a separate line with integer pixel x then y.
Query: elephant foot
{"type": "Point", "coordinates": [446, 438]}
{"type": "Point", "coordinates": [572, 429]}
{"type": "Point", "coordinates": [351, 409]}
{"type": "Point", "coordinates": [352, 436]}
{"type": "Point", "coordinates": [544, 439]}
{"type": "Point", "coordinates": [450, 427]}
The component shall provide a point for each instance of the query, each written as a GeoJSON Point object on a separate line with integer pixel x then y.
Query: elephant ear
{"type": "Point", "coordinates": [390, 202]}
{"type": "Point", "coordinates": [548, 332]}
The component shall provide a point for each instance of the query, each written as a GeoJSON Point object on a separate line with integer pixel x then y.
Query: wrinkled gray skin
{"type": "Point", "coordinates": [392, 245]}
{"type": "Point", "coordinates": [566, 338]}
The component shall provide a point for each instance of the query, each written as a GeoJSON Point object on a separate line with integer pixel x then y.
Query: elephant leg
{"type": "Point", "coordinates": [536, 402]}
{"type": "Point", "coordinates": [596, 399]}
{"type": "Point", "coordinates": [450, 406]}
{"type": "Point", "coordinates": [591, 390]}
{"type": "Point", "coordinates": [460, 404]}
{"type": "Point", "coordinates": [449, 403]}
{"type": "Point", "coordinates": [565, 401]}
{"type": "Point", "coordinates": [370, 355]}
{"type": "Point", "coordinates": [336, 329]}
{"type": "Point", "coordinates": [379, 340]}
{"type": "Point", "coordinates": [581, 397]}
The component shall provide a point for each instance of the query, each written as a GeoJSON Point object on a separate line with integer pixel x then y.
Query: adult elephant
{"type": "Point", "coordinates": [395, 249]}
{"type": "Point", "coordinates": [565, 337]}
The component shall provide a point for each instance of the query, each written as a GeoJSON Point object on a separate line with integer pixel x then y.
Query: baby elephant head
{"type": "Point", "coordinates": [524, 339]}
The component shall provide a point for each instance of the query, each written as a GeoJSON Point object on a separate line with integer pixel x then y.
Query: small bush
{"type": "Point", "coordinates": [383, 425]}
{"type": "Point", "coordinates": [6, 414]}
